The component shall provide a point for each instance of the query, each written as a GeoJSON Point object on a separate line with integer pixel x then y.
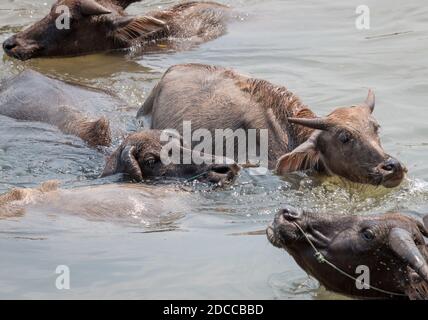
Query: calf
{"type": "Point", "coordinates": [140, 157]}
{"type": "Point", "coordinates": [155, 208]}
{"type": "Point", "coordinates": [32, 96]}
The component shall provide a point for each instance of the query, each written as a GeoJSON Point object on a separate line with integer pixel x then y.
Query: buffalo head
{"type": "Point", "coordinates": [390, 246]}
{"type": "Point", "coordinates": [140, 157]}
{"type": "Point", "coordinates": [93, 25]}
{"type": "Point", "coordinates": [346, 143]}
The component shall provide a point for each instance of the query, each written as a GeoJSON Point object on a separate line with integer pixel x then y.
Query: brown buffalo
{"type": "Point", "coordinates": [103, 25]}
{"type": "Point", "coordinates": [345, 143]}
{"type": "Point", "coordinates": [73, 109]}
{"type": "Point", "coordinates": [392, 246]}
{"type": "Point", "coordinates": [139, 156]}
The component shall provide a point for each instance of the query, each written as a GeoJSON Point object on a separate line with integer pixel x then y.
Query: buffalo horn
{"type": "Point", "coordinates": [314, 123]}
{"type": "Point", "coordinates": [130, 163]}
{"type": "Point", "coordinates": [92, 8]}
{"type": "Point", "coordinates": [401, 242]}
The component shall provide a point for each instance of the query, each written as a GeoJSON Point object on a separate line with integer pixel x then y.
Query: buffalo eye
{"type": "Point", "coordinates": [344, 137]}
{"type": "Point", "coordinates": [150, 162]}
{"type": "Point", "coordinates": [376, 128]}
{"type": "Point", "coordinates": [368, 234]}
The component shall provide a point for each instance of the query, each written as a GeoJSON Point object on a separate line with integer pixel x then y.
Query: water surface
{"type": "Point", "coordinates": [311, 47]}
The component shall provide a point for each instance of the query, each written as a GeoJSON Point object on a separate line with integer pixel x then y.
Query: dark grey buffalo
{"type": "Point", "coordinates": [391, 246]}
{"type": "Point", "coordinates": [103, 25]}
{"type": "Point", "coordinates": [73, 109]}
{"type": "Point", "coordinates": [140, 157]}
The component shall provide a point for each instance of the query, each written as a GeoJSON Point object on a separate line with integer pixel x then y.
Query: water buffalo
{"type": "Point", "coordinates": [140, 157]}
{"type": "Point", "coordinates": [103, 25]}
{"type": "Point", "coordinates": [344, 143]}
{"type": "Point", "coordinates": [392, 246]}
{"type": "Point", "coordinates": [34, 97]}
{"type": "Point", "coordinates": [154, 207]}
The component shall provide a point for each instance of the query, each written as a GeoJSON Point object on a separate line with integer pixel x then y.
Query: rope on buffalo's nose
{"type": "Point", "coordinates": [321, 259]}
{"type": "Point", "coordinates": [197, 176]}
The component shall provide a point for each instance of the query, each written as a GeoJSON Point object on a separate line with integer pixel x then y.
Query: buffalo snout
{"type": "Point", "coordinates": [9, 44]}
{"type": "Point", "coordinates": [392, 172]}
{"type": "Point", "coordinates": [291, 214]}
{"type": "Point", "coordinates": [283, 231]}
{"type": "Point", "coordinates": [20, 48]}
{"type": "Point", "coordinates": [222, 173]}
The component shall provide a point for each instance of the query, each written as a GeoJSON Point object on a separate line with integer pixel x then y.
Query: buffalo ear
{"type": "Point", "coordinates": [304, 157]}
{"type": "Point", "coordinates": [417, 288]}
{"type": "Point", "coordinates": [130, 28]}
{"type": "Point", "coordinates": [423, 228]}
{"type": "Point", "coordinates": [130, 164]}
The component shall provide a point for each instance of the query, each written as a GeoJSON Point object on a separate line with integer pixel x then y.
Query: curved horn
{"type": "Point", "coordinates": [401, 242]}
{"type": "Point", "coordinates": [314, 123]}
{"type": "Point", "coordinates": [130, 163]}
{"type": "Point", "coordinates": [370, 100]}
{"type": "Point", "coordinates": [92, 8]}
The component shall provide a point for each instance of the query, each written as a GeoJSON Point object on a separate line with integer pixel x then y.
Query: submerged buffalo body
{"type": "Point", "coordinates": [345, 143]}
{"type": "Point", "coordinates": [391, 246]}
{"type": "Point", "coordinates": [157, 207]}
{"type": "Point", "coordinates": [102, 25]}
{"type": "Point", "coordinates": [140, 157]}
{"type": "Point", "coordinates": [34, 97]}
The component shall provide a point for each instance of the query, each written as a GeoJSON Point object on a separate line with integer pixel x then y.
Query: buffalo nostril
{"type": "Point", "coordinates": [9, 44]}
{"type": "Point", "coordinates": [388, 167]}
{"type": "Point", "coordinates": [222, 169]}
{"type": "Point", "coordinates": [391, 165]}
{"type": "Point", "coordinates": [223, 173]}
{"type": "Point", "coordinates": [291, 213]}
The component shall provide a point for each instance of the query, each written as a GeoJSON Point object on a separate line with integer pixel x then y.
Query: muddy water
{"type": "Point", "coordinates": [311, 47]}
